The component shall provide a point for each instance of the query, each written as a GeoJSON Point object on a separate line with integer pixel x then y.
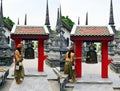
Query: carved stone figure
{"type": "Point", "coordinates": [91, 56]}
{"type": "Point", "coordinates": [29, 52]}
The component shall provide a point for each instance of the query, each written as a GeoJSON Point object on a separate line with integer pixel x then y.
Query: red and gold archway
{"type": "Point", "coordinates": [39, 33]}
{"type": "Point", "coordinates": [102, 34]}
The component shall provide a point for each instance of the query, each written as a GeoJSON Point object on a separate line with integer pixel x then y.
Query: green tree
{"type": "Point", "coordinates": [8, 21]}
{"type": "Point", "coordinates": [68, 21]}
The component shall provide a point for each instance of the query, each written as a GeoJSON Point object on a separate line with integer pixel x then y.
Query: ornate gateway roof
{"type": "Point", "coordinates": [29, 32]}
{"type": "Point", "coordinates": [92, 33]}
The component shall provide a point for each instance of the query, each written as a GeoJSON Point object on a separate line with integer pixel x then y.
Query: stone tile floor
{"type": "Point", "coordinates": [91, 79]}
{"type": "Point", "coordinates": [38, 81]}
{"type": "Point", "coordinates": [34, 80]}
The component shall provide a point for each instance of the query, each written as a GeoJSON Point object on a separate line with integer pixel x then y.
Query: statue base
{"type": "Point", "coordinates": [115, 66]}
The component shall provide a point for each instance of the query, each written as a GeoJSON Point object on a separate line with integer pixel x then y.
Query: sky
{"type": "Point", "coordinates": [98, 11]}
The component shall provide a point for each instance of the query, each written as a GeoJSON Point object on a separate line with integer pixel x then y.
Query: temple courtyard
{"type": "Point", "coordinates": [48, 80]}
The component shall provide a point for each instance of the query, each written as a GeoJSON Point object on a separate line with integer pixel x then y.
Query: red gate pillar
{"type": "Point", "coordinates": [78, 62]}
{"type": "Point", "coordinates": [41, 56]}
{"type": "Point", "coordinates": [105, 61]}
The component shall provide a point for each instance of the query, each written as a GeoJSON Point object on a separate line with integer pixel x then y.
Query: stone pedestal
{"type": "Point", "coordinates": [4, 71]}
{"type": "Point", "coordinates": [115, 66]}
{"type": "Point", "coordinates": [54, 60]}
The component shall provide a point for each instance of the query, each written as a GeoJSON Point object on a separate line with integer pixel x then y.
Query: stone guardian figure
{"type": "Point", "coordinates": [91, 56]}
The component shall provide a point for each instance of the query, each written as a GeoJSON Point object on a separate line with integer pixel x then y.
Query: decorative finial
{"type": "Point", "coordinates": [18, 21]}
{"type": "Point", "coordinates": [25, 23]}
{"type": "Point", "coordinates": [1, 16]}
{"type": "Point", "coordinates": [111, 18]}
{"type": "Point", "coordinates": [78, 20]}
{"type": "Point", "coordinates": [47, 22]}
{"type": "Point", "coordinates": [86, 23]}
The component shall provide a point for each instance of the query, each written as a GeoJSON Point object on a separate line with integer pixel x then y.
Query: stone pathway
{"type": "Point", "coordinates": [32, 84]}
{"type": "Point", "coordinates": [34, 80]}
{"type": "Point", "coordinates": [91, 79]}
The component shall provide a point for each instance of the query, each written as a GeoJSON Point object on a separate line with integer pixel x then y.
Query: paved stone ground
{"type": "Point", "coordinates": [32, 84]}
{"type": "Point", "coordinates": [91, 79]}
{"type": "Point", "coordinates": [7, 85]}
{"type": "Point", "coordinates": [38, 81]}
{"type": "Point", "coordinates": [34, 80]}
{"type": "Point", "coordinates": [54, 85]}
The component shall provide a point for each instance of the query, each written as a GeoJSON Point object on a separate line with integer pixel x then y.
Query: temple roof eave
{"type": "Point", "coordinates": [92, 38]}
{"type": "Point", "coordinates": [34, 37]}
{"type": "Point", "coordinates": [29, 32]}
{"type": "Point", "coordinates": [92, 33]}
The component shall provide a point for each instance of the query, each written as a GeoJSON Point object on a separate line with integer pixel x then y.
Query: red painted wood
{"type": "Point", "coordinates": [29, 36]}
{"type": "Point", "coordinates": [41, 56]}
{"type": "Point", "coordinates": [105, 61]}
{"type": "Point", "coordinates": [78, 62]}
{"type": "Point", "coordinates": [92, 38]}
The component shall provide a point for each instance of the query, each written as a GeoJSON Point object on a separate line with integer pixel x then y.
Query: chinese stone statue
{"type": "Point", "coordinates": [91, 56]}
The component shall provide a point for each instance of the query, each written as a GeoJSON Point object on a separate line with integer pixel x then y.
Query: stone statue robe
{"type": "Point", "coordinates": [91, 57]}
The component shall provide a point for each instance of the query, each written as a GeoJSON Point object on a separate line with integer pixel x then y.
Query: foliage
{"type": "Point", "coordinates": [99, 47]}
{"type": "Point", "coordinates": [68, 21]}
{"type": "Point", "coordinates": [8, 21]}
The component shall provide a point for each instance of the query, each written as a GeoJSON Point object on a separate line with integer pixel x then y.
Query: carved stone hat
{"type": "Point", "coordinates": [71, 47]}
{"type": "Point", "coordinates": [19, 46]}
